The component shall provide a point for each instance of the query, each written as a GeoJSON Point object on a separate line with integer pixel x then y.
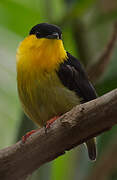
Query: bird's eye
{"type": "Point", "coordinates": [37, 34]}
{"type": "Point", "coordinates": [60, 36]}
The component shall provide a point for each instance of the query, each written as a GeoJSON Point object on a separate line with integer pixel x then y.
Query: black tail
{"type": "Point", "coordinates": [92, 151]}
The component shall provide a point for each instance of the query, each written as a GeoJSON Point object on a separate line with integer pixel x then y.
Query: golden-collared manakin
{"type": "Point", "coordinates": [50, 80]}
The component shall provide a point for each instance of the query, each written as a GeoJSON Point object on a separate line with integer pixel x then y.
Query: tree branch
{"type": "Point", "coordinates": [96, 70]}
{"type": "Point", "coordinates": [73, 128]}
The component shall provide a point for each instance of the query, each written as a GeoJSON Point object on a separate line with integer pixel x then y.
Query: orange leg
{"type": "Point", "coordinates": [48, 124]}
{"type": "Point", "coordinates": [27, 135]}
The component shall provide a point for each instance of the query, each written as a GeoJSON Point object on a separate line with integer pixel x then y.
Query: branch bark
{"type": "Point", "coordinates": [73, 128]}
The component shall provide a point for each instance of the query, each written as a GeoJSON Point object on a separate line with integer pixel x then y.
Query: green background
{"type": "Point", "coordinates": [94, 21]}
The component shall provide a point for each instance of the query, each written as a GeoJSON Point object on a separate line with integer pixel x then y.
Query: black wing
{"type": "Point", "coordinates": [73, 76]}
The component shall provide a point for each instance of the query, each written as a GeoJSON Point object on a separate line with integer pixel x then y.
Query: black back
{"type": "Point", "coordinates": [73, 76]}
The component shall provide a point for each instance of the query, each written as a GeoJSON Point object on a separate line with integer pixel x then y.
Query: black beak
{"type": "Point", "coordinates": [53, 36]}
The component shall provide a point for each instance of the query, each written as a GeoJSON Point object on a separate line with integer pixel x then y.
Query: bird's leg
{"type": "Point", "coordinates": [48, 123]}
{"type": "Point", "coordinates": [27, 135]}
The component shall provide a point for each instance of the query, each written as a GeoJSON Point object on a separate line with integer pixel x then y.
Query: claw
{"type": "Point", "coordinates": [48, 124]}
{"type": "Point", "coordinates": [27, 135]}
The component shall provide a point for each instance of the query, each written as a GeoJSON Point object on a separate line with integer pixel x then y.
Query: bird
{"type": "Point", "coordinates": [50, 80]}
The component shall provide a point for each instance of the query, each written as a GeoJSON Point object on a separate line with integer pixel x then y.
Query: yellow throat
{"type": "Point", "coordinates": [40, 54]}
{"type": "Point", "coordinates": [37, 60]}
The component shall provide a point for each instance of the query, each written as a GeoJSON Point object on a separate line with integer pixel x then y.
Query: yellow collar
{"type": "Point", "coordinates": [40, 54]}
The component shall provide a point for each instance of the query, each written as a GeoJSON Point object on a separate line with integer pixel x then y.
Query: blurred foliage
{"type": "Point", "coordinates": [87, 26]}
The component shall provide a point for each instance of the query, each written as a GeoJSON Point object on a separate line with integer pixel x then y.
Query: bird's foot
{"type": "Point", "coordinates": [27, 135]}
{"type": "Point", "coordinates": [48, 124]}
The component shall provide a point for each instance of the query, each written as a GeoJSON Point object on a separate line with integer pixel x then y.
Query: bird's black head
{"type": "Point", "coordinates": [45, 30]}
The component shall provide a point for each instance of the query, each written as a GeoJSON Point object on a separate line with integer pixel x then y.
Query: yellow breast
{"type": "Point", "coordinates": [40, 90]}
{"type": "Point", "coordinates": [44, 99]}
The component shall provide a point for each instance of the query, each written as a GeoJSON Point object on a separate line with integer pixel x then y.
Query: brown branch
{"type": "Point", "coordinates": [96, 71]}
{"type": "Point", "coordinates": [107, 163]}
{"type": "Point", "coordinates": [73, 128]}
